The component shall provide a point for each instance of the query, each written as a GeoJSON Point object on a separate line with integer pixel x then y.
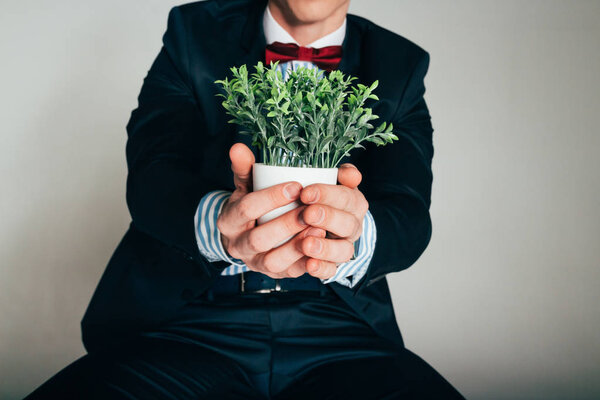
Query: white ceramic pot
{"type": "Point", "coordinates": [264, 176]}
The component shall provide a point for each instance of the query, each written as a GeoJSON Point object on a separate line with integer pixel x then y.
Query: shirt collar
{"type": "Point", "coordinates": [275, 33]}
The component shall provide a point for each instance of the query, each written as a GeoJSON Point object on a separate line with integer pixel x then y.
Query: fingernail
{"type": "Point", "coordinates": [320, 215]}
{"type": "Point", "coordinates": [313, 196]}
{"type": "Point", "coordinates": [291, 191]}
{"type": "Point", "coordinates": [316, 246]}
{"type": "Point", "coordinates": [301, 219]}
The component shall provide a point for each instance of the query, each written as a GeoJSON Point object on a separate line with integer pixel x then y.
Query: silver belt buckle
{"type": "Point", "coordinates": [243, 286]}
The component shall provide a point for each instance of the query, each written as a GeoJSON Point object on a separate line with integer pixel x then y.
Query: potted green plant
{"type": "Point", "coordinates": [303, 124]}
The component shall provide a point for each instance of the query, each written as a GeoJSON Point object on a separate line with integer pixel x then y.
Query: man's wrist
{"type": "Point", "coordinates": [205, 220]}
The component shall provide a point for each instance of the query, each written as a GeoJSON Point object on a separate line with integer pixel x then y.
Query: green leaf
{"type": "Point", "coordinates": [375, 140]}
{"type": "Point", "coordinates": [380, 128]}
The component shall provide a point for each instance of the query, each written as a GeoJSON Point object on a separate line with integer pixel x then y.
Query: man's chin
{"type": "Point", "coordinates": [308, 12]}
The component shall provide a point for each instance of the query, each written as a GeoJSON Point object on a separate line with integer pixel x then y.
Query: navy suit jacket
{"type": "Point", "coordinates": [177, 151]}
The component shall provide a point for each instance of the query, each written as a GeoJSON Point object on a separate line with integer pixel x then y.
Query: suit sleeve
{"type": "Point", "coordinates": [165, 134]}
{"type": "Point", "coordinates": [397, 182]}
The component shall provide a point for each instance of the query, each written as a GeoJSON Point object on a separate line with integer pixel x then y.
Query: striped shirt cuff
{"type": "Point", "coordinates": [208, 236]}
{"type": "Point", "coordinates": [351, 272]}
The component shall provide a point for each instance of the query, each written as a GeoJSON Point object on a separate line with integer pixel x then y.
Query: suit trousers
{"type": "Point", "coordinates": [280, 345]}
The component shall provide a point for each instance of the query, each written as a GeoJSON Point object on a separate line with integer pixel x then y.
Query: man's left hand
{"type": "Point", "coordinates": [338, 209]}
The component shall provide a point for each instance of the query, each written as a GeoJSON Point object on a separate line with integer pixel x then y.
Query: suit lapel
{"type": "Point", "coordinates": [252, 43]}
{"type": "Point", "coordinates": [351, 49]}
{"type": "Point", "coordinates": [252, 40]}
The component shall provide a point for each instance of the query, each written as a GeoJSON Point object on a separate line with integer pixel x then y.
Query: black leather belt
{"type": "Point", "coordinates": [254, 283]}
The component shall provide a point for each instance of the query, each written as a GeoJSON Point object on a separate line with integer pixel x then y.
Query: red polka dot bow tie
{"type": "Point", "coordinates": [327, 58]}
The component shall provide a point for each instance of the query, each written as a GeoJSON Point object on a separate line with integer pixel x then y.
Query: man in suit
{"type": "Point", "coordinates": [197, 300]}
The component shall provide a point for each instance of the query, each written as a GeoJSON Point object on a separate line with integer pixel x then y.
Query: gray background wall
{"type": "Point", "coordinates": [504, 302]}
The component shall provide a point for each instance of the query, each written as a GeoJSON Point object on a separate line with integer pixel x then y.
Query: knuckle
{"type": "Point", "coordinates": [347, 201]}
{"type": "Point", "coordinates": [245, 207]}
{"type": "Point", "coordinates": [270, 263]}
{"type": "Point", "coordinates": [255, 242]}
{"type": "Point", "coordinates": [231, 249]}
{"type": "Point", "coordinates": [249, 225]}
{"type": "Point", "coordinates": [229, 202]}
{"type": "Point", "coordinates": [290, 223]}
{"type": "Point", "coordinates": [275, 195]}
{"type": "Point", "coordinates": [221, 225]}
{"type": "Point", "coordinates": [257, 266]}
{"type": "Point", "coordinates": [364, 205]}
{"type": "Point", "coordinates": [251, 264]}
{"type": "Point", "coordinates": [351, 200]}
{"type": "Point", "coordinates": [233, 252]}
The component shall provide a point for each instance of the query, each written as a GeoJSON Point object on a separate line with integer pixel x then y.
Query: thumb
{"type": "Point", "coordinates": [242, 160]}
{"type": "Point", "coordinates": [349, 175]}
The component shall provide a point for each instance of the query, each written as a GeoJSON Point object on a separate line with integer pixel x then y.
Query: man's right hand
{"type": "Point", "coordinates": [253, 244]}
